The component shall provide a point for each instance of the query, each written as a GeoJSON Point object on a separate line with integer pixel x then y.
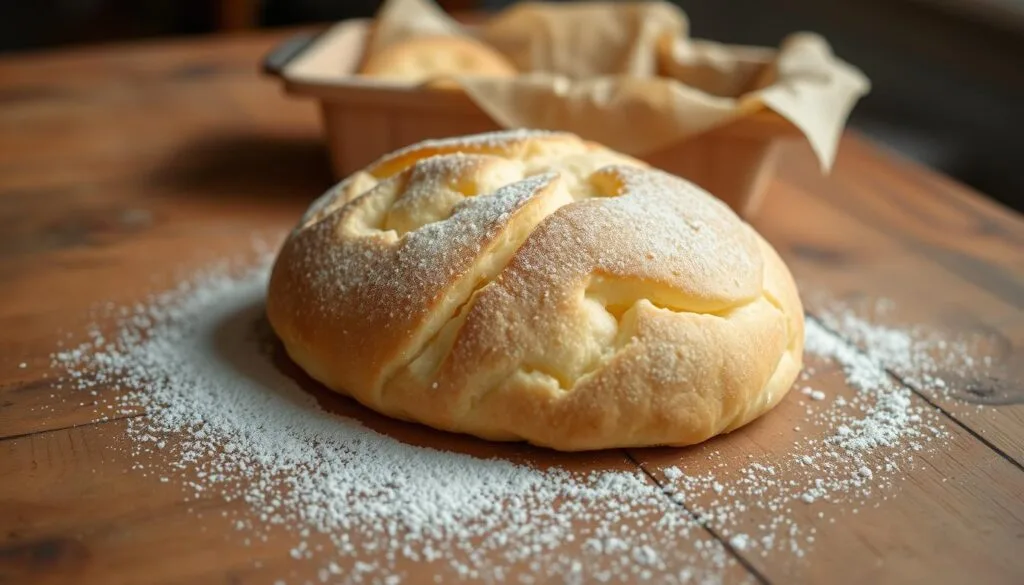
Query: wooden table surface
{"type": "Point", "coordinates": [121, 167]}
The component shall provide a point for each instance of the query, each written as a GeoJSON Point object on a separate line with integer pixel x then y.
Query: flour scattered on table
{"type": "Point", "coordinates": [963, 363]}
{"type": "Point", "coordinates": [861, 445]}
{"type": "Point", "coordinates": [223, 421]}
{"type": "Point", "coordinates": [229, 422]}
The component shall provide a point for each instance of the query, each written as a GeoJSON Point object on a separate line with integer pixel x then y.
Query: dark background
{"type": "Point", "coordinates": [947, 75]}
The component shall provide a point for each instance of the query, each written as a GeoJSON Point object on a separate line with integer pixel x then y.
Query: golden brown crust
{"type": "Point", "coordinates": [533, 286]}
{"type": "Point", "coordinates": [429, 58]}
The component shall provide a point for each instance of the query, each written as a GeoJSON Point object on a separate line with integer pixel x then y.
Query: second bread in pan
{"type": "Point", "coordinates": [425, 59]}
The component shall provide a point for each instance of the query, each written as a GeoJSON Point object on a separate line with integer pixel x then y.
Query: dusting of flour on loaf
{"type": "Point", "coordinates": [679, 225]}
{"type": "Point", "coordinates": [224, 422]}
{"type": "Point", "coordinates": [396, 289]}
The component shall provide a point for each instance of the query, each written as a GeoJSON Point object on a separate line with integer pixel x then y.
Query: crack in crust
{"type": "Point", "coordinates": [534, 286]}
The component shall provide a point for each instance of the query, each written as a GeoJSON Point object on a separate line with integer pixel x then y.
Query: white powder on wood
{"type": "Point", "coordinates": [221, 419]}
{"type": "Point", "coordinates": [232, 423]}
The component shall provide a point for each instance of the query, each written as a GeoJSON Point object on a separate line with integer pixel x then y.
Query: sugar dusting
{"type": "Point", "coordinates": [222, 421]}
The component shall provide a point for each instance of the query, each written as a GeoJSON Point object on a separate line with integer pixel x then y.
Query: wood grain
{"type": "Point", "coordinates": [889, 538]}
{"type": "Point", "coordinates": [823, 242]}
{"type": "Point", "coordinates": [110, 524]}
{"type": "Point", "coordinates": [121, 170]}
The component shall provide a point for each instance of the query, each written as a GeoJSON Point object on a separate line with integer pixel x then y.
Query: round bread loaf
{"type": "Point", "coordinates": [533, 286]}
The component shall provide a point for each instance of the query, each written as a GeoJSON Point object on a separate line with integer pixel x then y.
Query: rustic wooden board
{"type": "Point", "coordinates": [122, 169]}
{"type": "Point", "coordinates": [881, 540]}
{"type": "Point", "coordinates": [835, 255]}
{"type": "Point", "coordinates": [111, 524]}
{"type": "Point", "coordinates": [121, 516]}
